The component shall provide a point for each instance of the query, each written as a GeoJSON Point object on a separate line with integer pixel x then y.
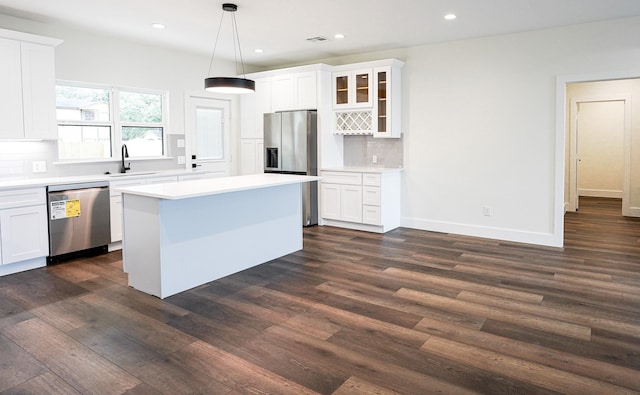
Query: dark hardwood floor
{"type": "Point", "coordinates": [407, 312]}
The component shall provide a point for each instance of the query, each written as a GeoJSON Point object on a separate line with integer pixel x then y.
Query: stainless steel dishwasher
{"type": "Point", "coordinates": [79, 219]}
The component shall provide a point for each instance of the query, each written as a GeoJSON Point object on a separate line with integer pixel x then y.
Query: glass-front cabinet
{"type": "Point", "coordinates": [387, 109]}
{"type": "Point", "coordinates": [367, 98]}
{"type": "Point", "coordinates": [352, 89]}
{"type": "Point", "coordinates": [381, 99]}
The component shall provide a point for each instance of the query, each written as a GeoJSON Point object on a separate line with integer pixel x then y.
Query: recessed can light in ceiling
{"type": "Point", "coordinates": [158, 26]}
{"type": "Point", "coordinates": [450, 17]}
{"type": "Point", "coordinates": [258, 50]}
{"type": "Point", "coordinates": [338, 36]}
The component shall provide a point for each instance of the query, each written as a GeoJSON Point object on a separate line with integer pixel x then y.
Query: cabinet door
{"type": "Point", "coordinates": [11, 120]}
{"type": "Point", "coordinates": [362, 91]}
{"type": "Point", "coordinates": [282, 93]}
{"type": "Point", "coordinates": [330, 195]}
{"type": "Point", "coordinates": [341, 83]}
{"type": "Point", "coordinates": [263, 105]}
{"type": "Point", "coordinates": [39, 91]}
{"type": "Point", "coordinates": [247, 156]}
{"type": "Point", "coordinates": [351, 203]}
{"type": "Point", "coordinates": [306, 91]}
{"type": "Point", "coordinates": [23, 233]}
{"type": "Point", "coordinates": [116, 218]}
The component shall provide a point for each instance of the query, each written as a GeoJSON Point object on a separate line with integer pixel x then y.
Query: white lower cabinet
{"type": "Point", "coordinates": [361, 200]}
{"type": "Point", "coordinates": [351, 203]}
{"type": "Point", "coordinates": [251, 156]}
{"type": "Point", "coordinates": [23, 229]}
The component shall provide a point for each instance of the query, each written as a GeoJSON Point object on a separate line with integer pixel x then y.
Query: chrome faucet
{"type": "Point", "coordinates": [124, 154]}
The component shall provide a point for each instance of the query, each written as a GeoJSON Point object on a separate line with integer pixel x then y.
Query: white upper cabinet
{"type": "Point", "coordinates": [366, 101]}
{"type": "Point", "coordinates": [27, 77]}
{"type": "Point", "coordinates": [352, 89]}
{"type": "Point", "coordinates": [387, 110]}
{"type": "Point", "coordinates": [11, 120]}
{"type": "Point", "coordinates": [297, 91]}
{"type": "Point", "coordinates": [39, 91]}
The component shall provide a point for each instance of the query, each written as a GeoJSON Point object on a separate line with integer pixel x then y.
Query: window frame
{"type": "Point", "coordinates": [114, 120]}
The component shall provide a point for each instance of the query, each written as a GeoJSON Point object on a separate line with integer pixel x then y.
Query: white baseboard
{"type": "Point", "coordinates": [603, 193]}
{"type": "Point", "coordinates": [538, 238]}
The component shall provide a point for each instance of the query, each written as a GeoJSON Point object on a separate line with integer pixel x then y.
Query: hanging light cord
{"type": "Point", "coordinates": [216, 43]}
{"type": "Point", "coordinates": [236, 37]}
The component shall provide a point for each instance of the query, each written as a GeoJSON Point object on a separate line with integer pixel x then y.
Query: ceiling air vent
{"type": "Point", "coordinates": [317, 39]}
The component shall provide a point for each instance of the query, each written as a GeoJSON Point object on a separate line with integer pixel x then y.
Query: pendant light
{"type": "Point", "coordinates": [232, 85]}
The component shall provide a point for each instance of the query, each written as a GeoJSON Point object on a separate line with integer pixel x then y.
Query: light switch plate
{"type": "Point", "coordinates": [181, 160]}
{"type": "Point", "coordinates": [39, 166]}
{"type": "Point", "coordinates": [180, 143]}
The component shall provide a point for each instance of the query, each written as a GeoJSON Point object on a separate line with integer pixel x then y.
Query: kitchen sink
{"type": "Point", "coordinates": [135, 173]}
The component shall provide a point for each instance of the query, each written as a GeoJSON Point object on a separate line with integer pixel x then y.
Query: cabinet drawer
{"type": "Point", "coordinates": [22, 197]}
{"type": "Point", "coordinates": [371, 196]}
{"type": "Point", "coordinates": [371, 215]}
{"type": "Point", "coordinates": [339, 177]}
{"type": "Point", "coordinates": [371, 179]}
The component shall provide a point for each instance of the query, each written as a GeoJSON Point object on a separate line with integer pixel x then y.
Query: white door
{"type": "Point", "coordinates": [600, 139]}
{"type": "Point", "coordinates": [208, 126]}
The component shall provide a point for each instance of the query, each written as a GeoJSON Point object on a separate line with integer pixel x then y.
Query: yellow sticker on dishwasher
{"type": "Point", "coordinates": [73, 208]}
{"type": "Point", "coordinates": [61, 209]}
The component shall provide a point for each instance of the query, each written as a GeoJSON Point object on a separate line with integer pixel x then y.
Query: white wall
{"type": "Point", "coordinates": [482, 127]}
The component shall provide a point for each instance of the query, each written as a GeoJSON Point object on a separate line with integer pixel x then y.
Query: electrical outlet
{"type": "Point", "coordinates": [486, 211]}
{"type": "Point", "coordinates": [39, 166]}
{"type": "Point", "coordinates": [374, 158]}
{"type": "Point", "coordinates": [181, 160]}
{"type": "Point", "coordinates": [180, 143]}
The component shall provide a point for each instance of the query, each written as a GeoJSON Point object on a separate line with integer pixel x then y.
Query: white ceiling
{"type": "Point", "coordinates": [281, 27]}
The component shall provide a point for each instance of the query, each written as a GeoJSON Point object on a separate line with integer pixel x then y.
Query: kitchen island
{"type": "Point", "coordinates": [177, 236]}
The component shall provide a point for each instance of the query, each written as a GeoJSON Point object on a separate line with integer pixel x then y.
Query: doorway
{"type": "Point", "coordinates": [597, 141]}
{"type": "Point", "coordinates": [208, 127]}
{"type": "Point", "coordinates": [599, 129]}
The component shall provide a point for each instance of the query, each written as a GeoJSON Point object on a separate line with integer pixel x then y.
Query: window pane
{"type": "Point", "coordinates": [78, 103]}
{"type": "Point", "coordinates": [84, 142]}
{"type": "Point", "coordinates": [140, 107]}
{"type": "Point", "coordinates": [142, 141]}
{"type": "Point", "coordinates": [209, 125]}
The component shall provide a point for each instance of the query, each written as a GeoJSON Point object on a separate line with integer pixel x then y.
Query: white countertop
{"type": "Point", "coordinates": [43, 182]}
{"type": "Point", "coordinates": [213, 186]}
{"type": "Point", "coordinates": [362, 169]}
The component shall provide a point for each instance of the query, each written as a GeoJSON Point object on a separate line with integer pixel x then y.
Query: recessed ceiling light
{"type": "Point", "coordinates": [450, 17]}
{"type": "Point", "coordinates": [339, 35]}
{"type": "Point", "coordinates": [158, 26]}
{"type": "Point", "coordinates": [257, 50]}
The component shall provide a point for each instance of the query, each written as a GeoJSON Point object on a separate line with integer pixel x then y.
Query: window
{"type": "Point", "coordinates": [92, 126]}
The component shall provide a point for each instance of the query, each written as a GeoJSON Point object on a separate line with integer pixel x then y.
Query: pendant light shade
{"type": "Point", "coordinates": [229, 85]}
{"type": "Point", "coordinates": [233, 85]}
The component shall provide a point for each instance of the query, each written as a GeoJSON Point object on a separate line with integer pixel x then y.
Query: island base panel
{"type": "Point", "coordinates": [194, 241]}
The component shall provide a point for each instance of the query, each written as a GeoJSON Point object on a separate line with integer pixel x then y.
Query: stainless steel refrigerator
{"type": "Point", "coordinates": [291, 147]}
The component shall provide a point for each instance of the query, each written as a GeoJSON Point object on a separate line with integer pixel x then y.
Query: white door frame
{"type": "Point", "coordinates": [573, 147]}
